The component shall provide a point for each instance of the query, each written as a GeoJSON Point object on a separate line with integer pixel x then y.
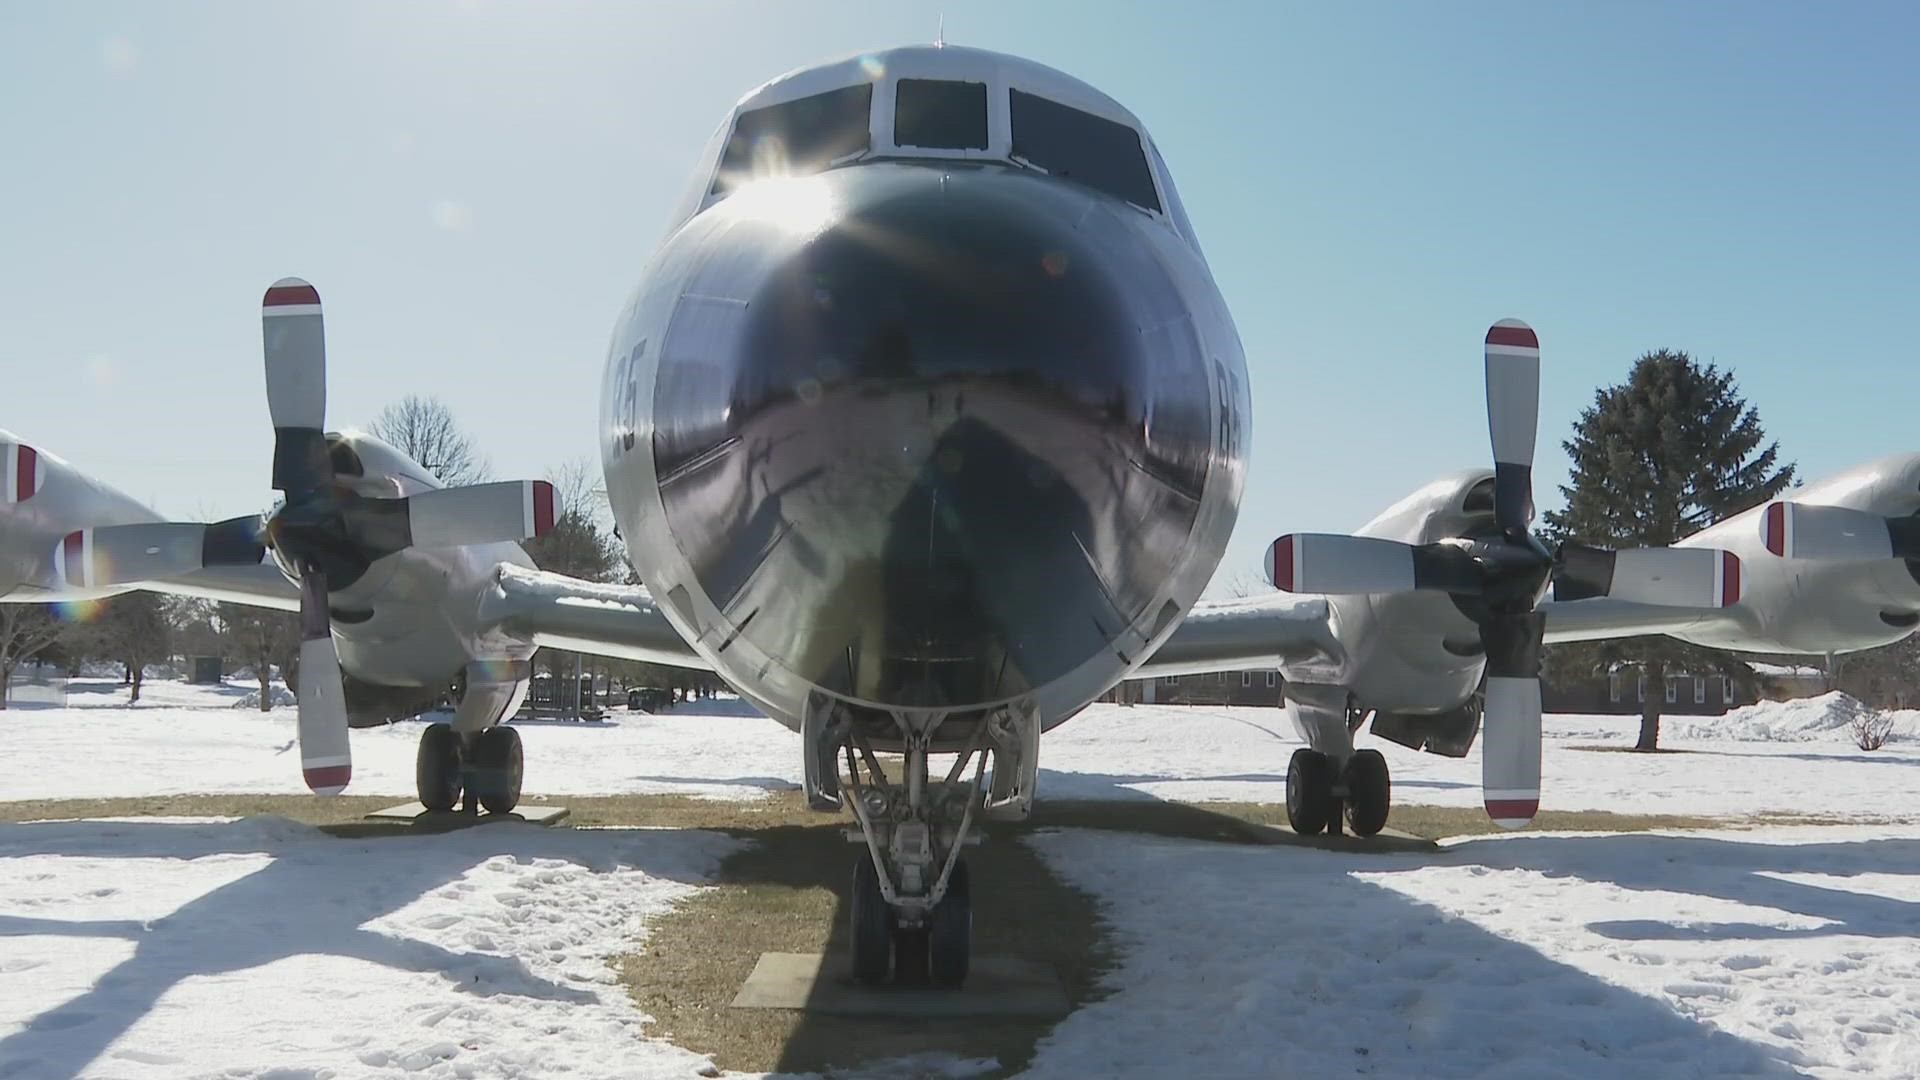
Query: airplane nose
{"type": "Point", "coordinates": [948, 448]}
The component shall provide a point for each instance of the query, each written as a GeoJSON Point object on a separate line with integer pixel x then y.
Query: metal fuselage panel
{"type": "Point", "coordinates": [925, 436]}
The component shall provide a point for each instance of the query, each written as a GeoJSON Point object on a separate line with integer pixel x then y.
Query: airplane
{"type": "Point", "coordinates": [925, 426]}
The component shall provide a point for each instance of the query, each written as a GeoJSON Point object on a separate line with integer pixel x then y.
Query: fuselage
{"type": "Point", "coordinates": [922, 429]}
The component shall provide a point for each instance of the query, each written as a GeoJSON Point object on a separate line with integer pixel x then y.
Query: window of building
{"type": "Point", "coordinates": [1726, 690]}
{"type": "Point", "coordinates": [1273, 678]}
{"type": "Point", "coordinates": [1700, 691]}
{"type": "Point", "coordinates": [1170, 680]}
{"type": "Point", "coordinates": [1078, 145]}
{"type": "Point", "coordinates": [1673, 691]}
{"type": "Point", "coordinates": [796, 138]}
{"type": "Point", "coordinates": [1613, 688]}
{"type": "Point", "coordinates": [940, 114]}
{"type": "Point", "coordinates": [1246, 678]}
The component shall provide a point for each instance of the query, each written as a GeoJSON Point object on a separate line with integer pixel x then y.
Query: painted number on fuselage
{"type": "Point", "coordinates": [627, 399]}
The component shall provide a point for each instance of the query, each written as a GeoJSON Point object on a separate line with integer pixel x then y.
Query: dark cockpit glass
{"type": "Point", "coordinates": [1078, 145]}
{"type": "Point", "coordinates": [940, 114]}
{"type": "Point", "coordinates": [796, 137]}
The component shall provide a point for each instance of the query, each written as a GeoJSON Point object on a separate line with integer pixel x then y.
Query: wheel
{"type": "Point", "coordinates": [436, 767]}
{"type": "Point", "coordinates": [869, 925]}
{"type": "Point", "coordinates": [497, 768]}
{"type": "Point", "coordinates": [950, 931]}
{"type": "Point", "coordinates": [1309, 791]}
{"type": "Point", "coordinates": [1369, 792]}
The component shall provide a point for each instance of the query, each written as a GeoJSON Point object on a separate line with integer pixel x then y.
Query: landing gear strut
{"type": "Point", "coordinates": [910, 916]}
{"type": "Point", "coordinates": [1329, 783]}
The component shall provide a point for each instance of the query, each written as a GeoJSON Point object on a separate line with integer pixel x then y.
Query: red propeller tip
{"type": "Point", "coordinates": [542, 508]}
{"type": "Point", "coordinates": [1775, 529]}
{"type": "Point", "coordinates": [22, 477]}
{"type": "Point", "coordinates": [329, 779]}
{"type": "Point", "coordinates": [1729, 579]}
{"type": "Point", "coordinates": [290, 292]}
{"type": "Point", "coordinates": [1512, 333]}
{"type": "Point", "coordinates": [1280, 565]}
{"type": "Point", "coordinates": [1513, 813]}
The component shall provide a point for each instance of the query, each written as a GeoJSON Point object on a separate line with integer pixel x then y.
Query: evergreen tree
{"type": "Point", "coordinates": [1656, 459]}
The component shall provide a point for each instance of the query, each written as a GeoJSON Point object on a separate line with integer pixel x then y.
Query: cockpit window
{"type": "Point", "coordinates": [1091, 149]}
{"type": "Point", "coordinates": [940, 114]}
{"type": "Point", "coordinates": [795, 138]}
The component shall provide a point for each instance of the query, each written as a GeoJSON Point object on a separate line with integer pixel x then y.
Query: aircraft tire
{"type": "Point", "coordinates": [870, 925]}
{"type": "Point", "coordinates": [1369, 792]}
{"type": "Point", "coordinates": [950, 931]}
{"type": "Point", "coordinates": [499, 764]}
{"type": "Point", "coordinates": [1310, 806]}
{"type": "Point", "coordinates": [436, 767]}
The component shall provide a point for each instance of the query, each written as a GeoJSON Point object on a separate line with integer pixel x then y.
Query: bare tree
{"type": "Point", "coordinates": [580, 545]}
{"type": "Point", "coordinates": [423, 428]}
{"type": "Point", "coordinates": [261, 638]}
{"type": "Point", "coordinates": [133, 630]}
{"type": "Point", "coordinates": [25, 631]}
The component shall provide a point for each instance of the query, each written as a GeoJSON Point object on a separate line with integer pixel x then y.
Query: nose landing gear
{"type": "Point", "coordinates": [910, 916]}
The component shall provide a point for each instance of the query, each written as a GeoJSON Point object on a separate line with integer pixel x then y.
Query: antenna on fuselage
{"type": "Point", "coordinates": [940, 36]}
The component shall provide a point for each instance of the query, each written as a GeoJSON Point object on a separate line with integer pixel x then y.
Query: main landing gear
{"type": "Point", "coordinates": [910, 914]}
{"type": "Point", "coordinates": [1328, 779]}
{"type": "Point", "coordinates": [486, 765]}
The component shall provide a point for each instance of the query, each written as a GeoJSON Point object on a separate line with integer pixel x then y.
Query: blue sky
{"type": "Point", "coordinates": [475, 186]}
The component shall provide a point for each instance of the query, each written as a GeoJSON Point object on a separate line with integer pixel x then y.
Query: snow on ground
{"type": "Point", "coordinates": [184, 739]}
{"type": "Point", "coordinates": [1771, 953]}
{"type": "Point", "coordinates": [261, 948]}
{"type": "Point", "coordinates": [165, 948]}
{"type": "Point", "coordinates": [1826, 718]}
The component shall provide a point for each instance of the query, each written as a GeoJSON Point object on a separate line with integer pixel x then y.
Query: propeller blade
{"type": "Point", "coordinates": [20, 472]}
{"type": "Point", "coordinates": [122, 554]}
{"type": "Point", "coordinates": [1510, 745]}
{"type": "Point", "coordinates": [481, 513]}
{"type": "Point", "coordinates": [1513, 420]}
{"type": "Point", "coordinates": [293, 338]}
{"type": "Point", "coordinates": [1332, 563]}
{"type": "Point", "coordinates": [1667, 576]}
{"type": "Point", "coordinates": [1837, 533]}
{"type": "Point", "coordinates": [326, 759]}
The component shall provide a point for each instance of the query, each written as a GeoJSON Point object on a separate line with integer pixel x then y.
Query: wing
{"type": "Point", "coordinates": [567, 613]}
{"type": "Point", "coordinates": [1264, 632]}
{"type": "Point", "coordinates": [1601, 617]}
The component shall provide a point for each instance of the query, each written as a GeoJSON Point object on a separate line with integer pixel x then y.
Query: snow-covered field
{"type": "Point", "coordinates": [185, 739]}
{"type": "Point", "coordinates": [155, 948]}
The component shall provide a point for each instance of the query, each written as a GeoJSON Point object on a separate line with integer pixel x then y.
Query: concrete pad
{"type": "Point", "coordinates": [445, 820]}
{"type": "Point", "coordinates": [823, 983]}
{"type": "Point", "coordinates": [1389, 841]}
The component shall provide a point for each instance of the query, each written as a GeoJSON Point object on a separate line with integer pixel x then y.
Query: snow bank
{"type": "Point", "coordinates": [1827, 718]}
{"type": "Point", "coordinates": [278, 695]}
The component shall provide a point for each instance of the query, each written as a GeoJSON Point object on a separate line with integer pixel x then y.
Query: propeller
{"type": "Point", "coordinates": [1499, 580]}
{"type": "Point", "coordinates": [1794, 530]}
{"type": "Point", "coordinates": [325, 533]}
